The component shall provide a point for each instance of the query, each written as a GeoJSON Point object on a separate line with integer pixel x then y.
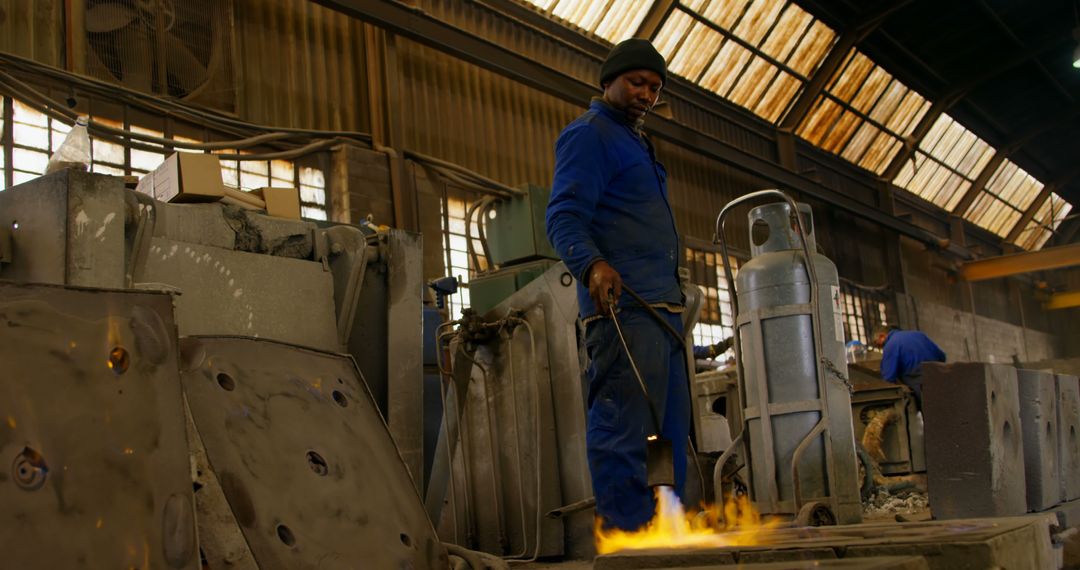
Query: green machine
{"type": "Point", "coordinates": [518, 244]}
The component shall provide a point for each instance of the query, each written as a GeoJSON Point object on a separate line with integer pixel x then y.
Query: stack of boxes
{"type": "Point", "coordinates": [192, 177]}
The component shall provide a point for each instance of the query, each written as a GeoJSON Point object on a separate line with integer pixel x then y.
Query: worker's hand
{"type": "Point", "coordinates": [721, 347]}
{"type": "Point", "coordinates": [604, 281]}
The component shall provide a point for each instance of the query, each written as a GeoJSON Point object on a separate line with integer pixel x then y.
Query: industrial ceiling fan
{"type": "Point", "coordinates": [164, 47]}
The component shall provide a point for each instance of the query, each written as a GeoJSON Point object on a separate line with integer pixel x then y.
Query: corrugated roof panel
{"type": "Point", "coordinates": [908, 113]}
{"type": "Point", "coordinates": [812, 49]}
{"type": "Point", "coordinates": [865, 135]}
{"type": "Point", "coordinates": [932, 181]}
{"type": "Point", "coordinates": [759, 19]}
{"type": "Point", "coordinates": [787, 35]}
{"type": "Point", "coordinates": [881, 153]}
{"type": "Point", "coordinates": [1014, 185]}
{"type": "Point", "coordinates": [724, 71]}
{"type": "Point", "coordinates": [778, 97]}
{"type": "Point", "coordinates": [876, 83]}
{"type": "Point", "coordinates": [956, 147]}
{"type": "Point", "coordinates": [1049, 216]}
{"type": "Point", "coordinates": [612, 20]}
{"type": "Point", "coordinates": [841, 132]}
{"type": "Point", "coordinates": [1009, 192]}
{"type": "Point", "coordinates": [753, 83]}
{"type": "Point", "coordinates": [851, 77]}
{"type": "Point", "coordinates": [952, 148]}
{"type": "Point", "coordinates": [671, 34]}
{"type": "Point", "coordinates": [696, 52]}
{"type": "Point", "coordinates": [863, 115]}
{"type": "Point", "coordinates": [991, 213]}
{"type": "Point", "coordinates": [723, 14]}
{"type": "Point", "coordinates": [624, 18]}
{"type": "Point", "coordinates": [791, 41]}
{"type": "Point", "coordinates": [819, 119]}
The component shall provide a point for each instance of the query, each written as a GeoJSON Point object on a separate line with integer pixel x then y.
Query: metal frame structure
{"type": "Point", "coordinates": [419, 26]}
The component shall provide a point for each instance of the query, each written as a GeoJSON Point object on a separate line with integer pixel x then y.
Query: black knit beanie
{"type": "Point", "coordinates": [631, 54]}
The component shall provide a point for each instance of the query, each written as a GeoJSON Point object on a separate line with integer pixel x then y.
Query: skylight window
{"type": "Point", "coordinates": [947, 161]}
{"type": "Point", "coordinates": [1006, 197]}
{"type": "Point", "coordinates": [863, 114]}
{"type": "Point", "coordinates": [1047, 219]}
{"type": "Point", "coordinates": [755, 53]}
{"type": "Point", "coordinates": [612, 20]}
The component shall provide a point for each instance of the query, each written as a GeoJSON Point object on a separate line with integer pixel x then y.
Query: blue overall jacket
{"type": "Point", "coordinates": [609, 201]}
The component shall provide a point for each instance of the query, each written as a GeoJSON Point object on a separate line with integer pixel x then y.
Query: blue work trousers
{"type": "Point", "coordinates": [619, 420]}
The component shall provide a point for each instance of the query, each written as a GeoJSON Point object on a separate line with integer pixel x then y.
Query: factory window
{"type": "Point", "coordinates": [863, 114]}
{"type": "Point", "coordinates": [707, 272]}
{"type": "Point", "coordinates": [612, 20]}
{"type": "Point", "coordinates": [863, 310]}
{"type": "Point", "coordinates": [455, 206]}
{"type": "Point", "coordinates": [948, 159]}
{"type": "Point", "coordinates": [1007, 195]}
{"type": "Point", "coordinates": [756, 53]}
{"type": "Point", "coordinates": [34, 136]}
{"type": "Point", "coordinates": [1047, 219]}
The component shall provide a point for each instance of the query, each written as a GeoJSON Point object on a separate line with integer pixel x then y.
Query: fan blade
{"type": "Point", "coordinates": [185, 70]}
{"type": "Point", "coordinates": [137, 59]}
{"type": "Point", "coordinates": [104, 18]}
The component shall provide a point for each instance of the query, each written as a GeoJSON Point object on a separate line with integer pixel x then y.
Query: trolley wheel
{"type": "Point", "coordinates": [815, 513]}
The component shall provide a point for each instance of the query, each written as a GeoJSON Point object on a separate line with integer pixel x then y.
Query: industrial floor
{"type": "Point", "coordinates": [1070, 557]}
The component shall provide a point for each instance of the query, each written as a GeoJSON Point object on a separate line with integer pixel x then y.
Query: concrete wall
{"type": "Point", "coordinates": [971, 338]}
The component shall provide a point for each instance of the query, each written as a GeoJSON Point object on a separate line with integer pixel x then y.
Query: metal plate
{"type": "Point", "coordinates": [304, 458]}
{"type": "Point", "coordinates": [94, 468]}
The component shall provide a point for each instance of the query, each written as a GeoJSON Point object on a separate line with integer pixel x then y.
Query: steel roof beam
{"type": "Point", "coordinates": [1063, 300]}
{"type": "Point", "coordinates": [1018, 263]}
{"type": "Point", "coordinates": [655, 18]}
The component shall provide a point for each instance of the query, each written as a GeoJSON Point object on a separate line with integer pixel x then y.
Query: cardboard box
{"type": "Point", "coordinates": [185, 177]}
{"type": "Point", "coordinates": [281, 202]}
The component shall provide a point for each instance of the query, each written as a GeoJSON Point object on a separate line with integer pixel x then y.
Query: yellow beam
{"type": "Point", "coordinates": [1064, 300]}
{"type": "Point", "coordinates": [1003, 265]}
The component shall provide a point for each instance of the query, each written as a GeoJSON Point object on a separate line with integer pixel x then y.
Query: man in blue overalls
{"type": "Point", "coordinates": [610, 221]}
{"type": "Point", "coordinates": [903, 353]}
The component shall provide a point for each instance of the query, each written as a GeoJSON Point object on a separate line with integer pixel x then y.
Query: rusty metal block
{"type": "Point", "coordinates": [303, 457]}
{"type": "Point", "coordinates": [974, 444]}
{"type": "Point", "coordinates": [94, 469]}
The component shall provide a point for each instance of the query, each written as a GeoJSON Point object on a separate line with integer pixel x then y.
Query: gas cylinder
{"type": "Point", "coordinates": [794, 390]}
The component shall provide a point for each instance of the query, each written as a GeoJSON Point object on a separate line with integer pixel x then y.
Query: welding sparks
{"type": "Point", "coordinates": [673, 527]}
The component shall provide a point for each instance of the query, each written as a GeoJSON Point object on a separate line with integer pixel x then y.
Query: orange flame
{"type": "Point", "coordinates": [673, 527]}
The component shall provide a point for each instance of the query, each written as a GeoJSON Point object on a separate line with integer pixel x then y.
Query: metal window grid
{"type": "Point", "coordinates": [30, 137]}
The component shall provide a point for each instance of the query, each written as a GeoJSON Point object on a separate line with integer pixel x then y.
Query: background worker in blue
{"type": "Point", "coordinates": [903, 353]}
{"type": "Point", "coordinates": [610, 221]}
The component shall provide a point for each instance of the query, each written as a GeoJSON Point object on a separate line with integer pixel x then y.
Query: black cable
{"type": "Point", "coordinates": [656, 315]}
{"type": "Point", "coordinates": [633, 365]}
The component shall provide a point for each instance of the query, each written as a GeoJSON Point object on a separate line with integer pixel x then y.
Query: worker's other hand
{"type": "Point", "coordinates": [721, 347]}
{"type": "Point", "coordinates": [604, 282]}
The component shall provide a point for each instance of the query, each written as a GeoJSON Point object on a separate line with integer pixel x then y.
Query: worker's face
{"type": "Point", "coordinates": [879, 340]}
{"type": "Point", "coordinates": [634, 92]}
